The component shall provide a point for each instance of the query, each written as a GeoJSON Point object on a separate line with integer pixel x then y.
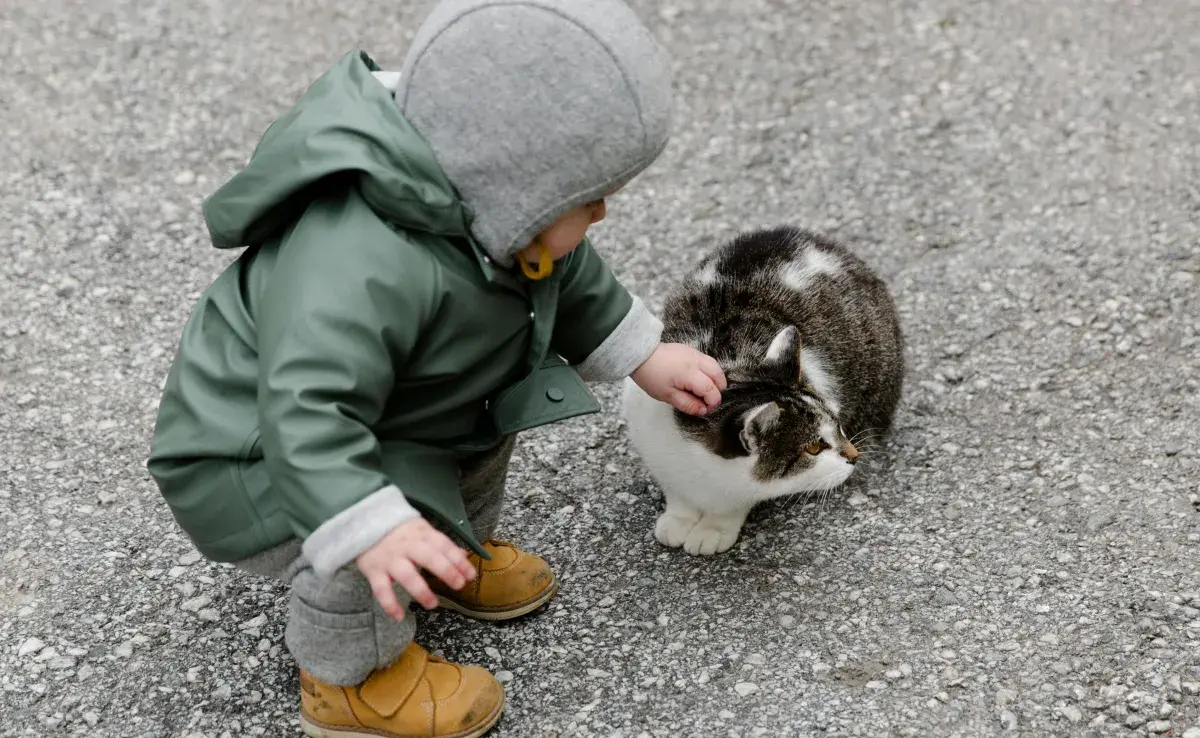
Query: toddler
{"type": "Point", "coordinates": [417, 288]}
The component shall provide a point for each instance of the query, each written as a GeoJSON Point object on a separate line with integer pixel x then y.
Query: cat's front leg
{"type": "Point", "coordinates": [715, 533]}
{"type": "Point", "coordinates": [676, 521]}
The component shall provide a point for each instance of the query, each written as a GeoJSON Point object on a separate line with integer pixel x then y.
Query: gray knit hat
{"type": "Point", "coordinates": [534, 107]}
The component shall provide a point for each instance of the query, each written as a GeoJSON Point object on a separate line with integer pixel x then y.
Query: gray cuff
{"type": "Point", "coordinates": [626, 348]}
{"type": "Point", "coordinates": [345, 536]}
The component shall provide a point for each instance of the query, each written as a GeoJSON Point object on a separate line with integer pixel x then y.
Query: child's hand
{"type": "Point", "coordinates": [682, 376]}
{"type": "Point", "coordinates": [398, 555]}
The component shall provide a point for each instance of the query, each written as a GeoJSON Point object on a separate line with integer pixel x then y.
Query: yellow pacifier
{"type": "Point", "coordinates": [544, 265]}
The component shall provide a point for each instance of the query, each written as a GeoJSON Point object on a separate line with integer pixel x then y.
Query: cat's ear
{"type": "Point", "coordinates": [755, 423]}
{"type": "Point", "coordinates": [783, 355]}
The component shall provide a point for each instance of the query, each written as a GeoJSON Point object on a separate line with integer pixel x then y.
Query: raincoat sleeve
{"type": "Point", "coordinates": [335, 325]}
{"type": "Point", "coordinates": [601, 329]}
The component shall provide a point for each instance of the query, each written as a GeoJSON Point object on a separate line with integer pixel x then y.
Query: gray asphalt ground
{"type": "Point", "coordinates": [1022, 558]}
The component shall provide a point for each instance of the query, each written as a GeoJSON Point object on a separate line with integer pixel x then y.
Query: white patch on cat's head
{"type": "Point", "coordinates": [828, 427]}
{"type": "Point", "coordinates": [819, 378]}
{"type": "Point", "coordinates": [708, 273]}
{"type": "Point", "coordinates": [783, 346]}
{"type": "Point", "coordinates": [811, 366]}
{"type": "Point", "coordinates": [829, 432]}
{"type": "Point", "coordinates": [799, 274]}
{"type": "Point", "coordinates": [756, 421]}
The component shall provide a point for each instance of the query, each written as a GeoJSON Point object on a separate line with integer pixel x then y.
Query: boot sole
{"type": "Point", "coordinates": [316, 730]}
{"type": "Point", "coordinates": [495, 615]}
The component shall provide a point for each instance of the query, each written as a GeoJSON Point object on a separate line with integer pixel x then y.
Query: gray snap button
{"type": "Point", "coordinates": [555, 394]}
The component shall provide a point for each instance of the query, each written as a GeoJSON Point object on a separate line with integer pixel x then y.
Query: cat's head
{"type": "Point", "coordinates": [772, 414]}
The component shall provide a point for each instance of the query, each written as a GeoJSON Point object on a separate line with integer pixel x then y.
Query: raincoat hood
{"type": "Point", "coordinates": [345, 131]}
{"type": "Point", "coordinates": [534, 107]}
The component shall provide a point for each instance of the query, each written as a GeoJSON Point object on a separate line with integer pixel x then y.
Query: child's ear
{"type": "Point", "coordinates": [756, 423]}
{"type": "Point", "coordinates": [783, 355]}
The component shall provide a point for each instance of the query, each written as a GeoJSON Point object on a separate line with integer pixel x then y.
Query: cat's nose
{"type": "Point", "coordinates": [849, 453]}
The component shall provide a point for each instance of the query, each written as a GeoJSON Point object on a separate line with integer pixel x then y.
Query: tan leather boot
{"type": "Point", "coordinates": [418, 695]}
{"type": "Point", "coordinates": [512, 584]}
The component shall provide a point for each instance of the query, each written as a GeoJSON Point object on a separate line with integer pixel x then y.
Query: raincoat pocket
{"type": "Point", "coordinates": [552, 392]}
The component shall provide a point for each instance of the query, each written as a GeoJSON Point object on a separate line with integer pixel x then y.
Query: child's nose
{"type": "Point", "coordinates": [599, 211]}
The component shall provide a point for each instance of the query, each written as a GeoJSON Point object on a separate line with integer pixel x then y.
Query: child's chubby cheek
{"type": "Point", "coordinates": [562, 236]}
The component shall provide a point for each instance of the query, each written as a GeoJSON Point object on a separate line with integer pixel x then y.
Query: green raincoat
{"type": "Point", "coordinates": [362, 339]}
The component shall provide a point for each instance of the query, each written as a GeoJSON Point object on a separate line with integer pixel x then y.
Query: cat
{"type": "Point", "coordinates": [811, 346]}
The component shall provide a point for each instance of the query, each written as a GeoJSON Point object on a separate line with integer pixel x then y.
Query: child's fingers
{"type": "Point", "coordinates": [709, 366]}
{"type": "Point", "coordinates": [459, 559]}
{"type": "Point", "coordinates": [455, 555]}
{"type": "Point", "coordinates": [686, 403]}
{"type": "Point", "coordinates": [702, 386]}
{"type": "Point", "coordinates": [436, 563]}
{"type": "Point", "coordinates": [381, 587]}
{"type": "Point", "coordinates": [403, 571]}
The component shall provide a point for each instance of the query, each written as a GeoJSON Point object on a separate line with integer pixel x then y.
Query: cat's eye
{"type": "Point", "coordinates": [816, 447]}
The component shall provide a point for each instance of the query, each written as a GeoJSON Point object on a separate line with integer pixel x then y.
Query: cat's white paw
{"type": "Point", "coordinates": [672, 529]}
{"type": "Point", "coordinates": [712, 536]}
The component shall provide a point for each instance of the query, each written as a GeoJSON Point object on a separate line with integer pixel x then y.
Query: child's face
{"type": "Point", "coordinates": [564, 234]}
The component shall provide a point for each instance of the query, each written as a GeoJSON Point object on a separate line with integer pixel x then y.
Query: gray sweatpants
{"type": "Point", "coordinates": [336, 630]}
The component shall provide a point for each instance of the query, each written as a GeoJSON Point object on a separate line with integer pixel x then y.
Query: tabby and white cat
{"type": "Point", "coordinates": [810, 343]}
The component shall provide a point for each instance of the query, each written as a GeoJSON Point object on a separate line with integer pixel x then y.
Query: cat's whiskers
{"type": "Point", "coordinates": [791, 501]}
{"type": "Point", "coordinates": [808, 494]}
{"type": "Point", "coordinates": [869, 456]}
{"type": "Point", "coordinates": [826, 492]}
{"type": "Point", "coordinates": [797, 497]}
{"type": "Point", "coordinates": [868, 442]}
{"type": "Point", "coordinates": [870, 447]}
{"type": "Point", "coordinates": [864, 436]}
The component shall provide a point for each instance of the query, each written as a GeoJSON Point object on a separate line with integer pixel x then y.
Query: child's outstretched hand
{"type": "Point", "coordinates": [680, 375]}
{"type": "Point", "coordinates": [399, 556]}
